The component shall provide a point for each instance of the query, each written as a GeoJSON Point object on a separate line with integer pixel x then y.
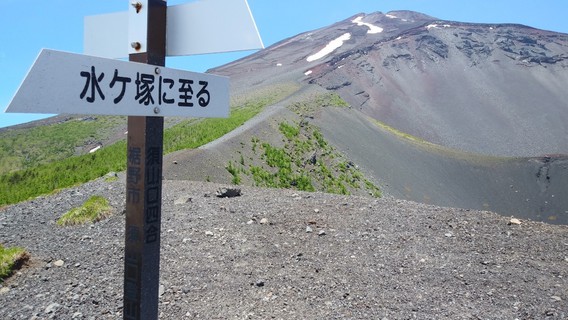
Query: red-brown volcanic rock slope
{"type": "Point", "coordinates": [494, 89]}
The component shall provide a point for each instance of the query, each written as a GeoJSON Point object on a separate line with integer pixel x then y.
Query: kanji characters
{"type": "Point", "coordinates": [92, 85]}
{"type": "Point", "coordinates": [147, 89]}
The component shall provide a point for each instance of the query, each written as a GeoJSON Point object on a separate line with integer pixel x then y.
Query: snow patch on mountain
{"type": "Point", "coordinates": [331, 46]}
{"type": "Point", "coordinates": [372, 28]}
{"type": "Point", "coordinates": [437, 26]}
{"type": "Point", "coordinates": [335, 44]}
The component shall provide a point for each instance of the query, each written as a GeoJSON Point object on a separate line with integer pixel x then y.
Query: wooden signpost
{"type": "Point", "coordinates": [144, 179]}
{"type": "Point", "coordinates": [145, 91]}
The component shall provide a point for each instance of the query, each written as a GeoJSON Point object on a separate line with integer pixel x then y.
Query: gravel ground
{"type": "Point", "coordinates": [282, 254]}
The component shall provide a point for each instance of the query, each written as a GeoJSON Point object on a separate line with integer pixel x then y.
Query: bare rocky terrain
{"type": "Point", "coordinates": [445, 117]}
{"type": "Point", "coordinates": [283, 254]}
{"type": "Point", "coordinates": [441, 112]}
{"type": "Point", "coordinates": [481, 88]}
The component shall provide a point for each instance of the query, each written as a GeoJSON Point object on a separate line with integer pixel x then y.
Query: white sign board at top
{"type": "Point", "coordinates": [68, 83]}
{"type": "Point", "coordinates": [205, 26]}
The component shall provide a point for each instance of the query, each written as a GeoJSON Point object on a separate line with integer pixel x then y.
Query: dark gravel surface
{"type": "Point", "coordinates": [282, 254]}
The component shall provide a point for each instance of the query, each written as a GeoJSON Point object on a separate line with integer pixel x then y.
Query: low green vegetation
{"type": "Point", "coordinates": [111, 177]}
{"type": "Point", "coordinates": [234, 171]}
{"type": "Point", "coordinates": [44, 178]}
{"type": "Point", "coordinates": [193, 133]}
{"type": "Point", "coordinates": [331, 99]}
{"type": "Point", "coordinates": [309, 105]}
{"type": "Point", "coordinates": [11, 259]}
{"type": "Point", "coordinates": [305, 162]}
{"type": "Point", "coordinates": [289, 131]}
{"type": "Point", "coordinates": [27, 148]}
{"type": "Point", "coordinates": [400, 133]}
{"type": "Point", "coordinates": [95, 209]}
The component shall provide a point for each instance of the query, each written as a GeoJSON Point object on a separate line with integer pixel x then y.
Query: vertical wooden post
{"type": "Point", "coordinates": [144, 185]}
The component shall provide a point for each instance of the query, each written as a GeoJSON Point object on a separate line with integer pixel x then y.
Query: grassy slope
{"type": "Point", "coordinates": [299, 158]}
{"type": "Point", "coordinates": [288, 167]}
{"type": "Point", "coordinates": [30, 147]}
{"type": "Point", "coordinates": [305, 162]}
{"type": "Point", "coordinates": [66, 171]}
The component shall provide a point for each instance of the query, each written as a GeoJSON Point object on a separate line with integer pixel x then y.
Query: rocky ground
{"type": "Point", "coordinates": [282, 254]}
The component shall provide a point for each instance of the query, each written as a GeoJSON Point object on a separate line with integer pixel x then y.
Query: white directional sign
{"type": "Point", "coordinates": [205, 26]}
{"type": "Point", "coordinates": [67, 83]}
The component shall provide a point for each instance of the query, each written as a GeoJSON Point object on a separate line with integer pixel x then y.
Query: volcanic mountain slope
{"type": "Point", "coordinates": [496, 89]}
{"type": "Point", "coordinates": [438, 109]}
{"type": "Point", "coordinates": [492, 90]}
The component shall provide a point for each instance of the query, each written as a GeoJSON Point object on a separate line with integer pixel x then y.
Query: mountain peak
{"type": "Point", "coordinates": [396, 65]}
{"type": "Point", "coordinates": [409, 15]}
{"type": "Point", "coordinates": [431, 102]}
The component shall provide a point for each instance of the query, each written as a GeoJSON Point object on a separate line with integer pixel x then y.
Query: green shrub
{"type": "Point", "coordinates": [234, 171]}
{"type": "Point", "coordinates": [373, 190]}
{"type": "Point", "coordinates": [320, 140]}
{"type": "Point", "coordinates": [303, 182]}
{"type": "Point", "coordinates": [11, 259]}
{"type": "Point", "coordinates": [306, 162]}
{"type": "Point", "coordinates": [289, 131]}
{"type": "Point", "coordinates": [255, 142]}
{"type": "Point", "coordinates": [93, 210]}
{"type": "Point", "coordinates": [276, 157]}
{"type": "Point", "coordinates": [310, 105]}
{"type": "Point", "coordinates": [331, 99]}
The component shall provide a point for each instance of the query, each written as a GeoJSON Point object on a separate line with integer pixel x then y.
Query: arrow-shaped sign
{"type": "Point", "coordinates": [205, 26]}
{"type": "Point", "coordinates": [68, 83]}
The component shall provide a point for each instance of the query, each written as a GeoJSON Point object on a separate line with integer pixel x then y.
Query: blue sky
{"type": "Point", "coordinates": [27, 26]}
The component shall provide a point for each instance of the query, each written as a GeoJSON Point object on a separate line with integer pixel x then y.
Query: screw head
{"type": "Point", "coordinates": [136, 45]}
{"type": "Point", "coordinates": [157, 70]}
{"type": "Point", "coordinates": [156, 110]}
{"type": "Point", "coordinates": [137, 5]}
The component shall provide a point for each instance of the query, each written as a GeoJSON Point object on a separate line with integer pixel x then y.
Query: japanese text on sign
{"type": "Point", "coordinates": [93, 85]}
{"type": "Point", "coordinates": [134, 177]}
{"type": "Point", "coordinates": [150, 89]}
